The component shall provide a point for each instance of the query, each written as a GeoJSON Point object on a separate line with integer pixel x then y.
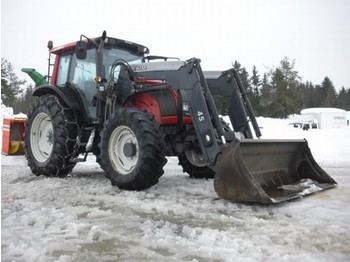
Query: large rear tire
{"type": "Point", "coordinates": [132, 149]}
{"type": "Point", "coordinates": [193, 164]}
{"type": "Point", "coordinates": [50, 137]}
{"type": "Point", "coordinates": [194, 169]}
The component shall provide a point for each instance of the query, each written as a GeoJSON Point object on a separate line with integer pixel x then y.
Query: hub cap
{"type": "Point", "coordinates": [196, 158]}
{"type": "Point", "coordinates": [41, 137]}
{"type": "Point", "coordinates": [123, 150]}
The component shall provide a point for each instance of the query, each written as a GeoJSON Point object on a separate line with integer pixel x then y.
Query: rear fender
{"type": "Point", "coordinates": [68, 94]}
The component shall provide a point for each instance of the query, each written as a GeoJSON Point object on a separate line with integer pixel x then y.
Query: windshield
{"type": "Point", "coordinates": [82, 72]}
{"type": "Point", "coordinates": [85, 70]}
{"type": "Point", "coordinates": [112, 54]}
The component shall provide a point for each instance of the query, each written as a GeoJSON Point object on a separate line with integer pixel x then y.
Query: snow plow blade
{"type": "Point", "coordinates": [269, 171]}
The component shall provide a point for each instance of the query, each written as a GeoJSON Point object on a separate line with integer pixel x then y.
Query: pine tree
{"type": "Point", "coordinates": [245, 79]}
{"type": "Point", "coordinates": [266, 96]}
{"type": "Point", "coordinates": [318, 97]}
{"type": "Point", "coordinates": [343, 99]}
{"type": "Point", "coordinates": [25, 101]}
{"type": "Point", "coordinates": [243, 74]}
{"type": "Point", "coordinates": [255, 83]}
{"type": "Point", "coordinates": [287, 90]}
{"type": "Point", "coordinates": [330, 95]}
{"type": "Point", "coordinates": [278, 87]}
{"type": "Point", "coordinates": [308, 94]}
{"type": "Point", "coordinates": [11, 85]}
{"type": "Point", "coordinates": [237, 66]}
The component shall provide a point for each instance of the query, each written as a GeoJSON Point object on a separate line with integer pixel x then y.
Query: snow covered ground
{"type": "Point", "coordinates": [83, 218]}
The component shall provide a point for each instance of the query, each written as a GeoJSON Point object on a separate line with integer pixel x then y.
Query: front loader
{"type": "Point", "coordinates": [108, 98]}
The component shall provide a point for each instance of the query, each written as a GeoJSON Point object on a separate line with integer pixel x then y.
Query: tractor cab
{"type": "Point", "coordinates": [80, 72]}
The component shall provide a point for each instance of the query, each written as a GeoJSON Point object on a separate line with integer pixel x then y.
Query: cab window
{"type": "Point", "coordinates": [63, 70]}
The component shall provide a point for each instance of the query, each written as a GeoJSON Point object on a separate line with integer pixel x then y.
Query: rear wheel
{"type": "Point", "coordinates": [50, 137]}
{"type": "Point", "coordinates": [132, 149]}
{"type": "Point", "coordinates": [193, 165]}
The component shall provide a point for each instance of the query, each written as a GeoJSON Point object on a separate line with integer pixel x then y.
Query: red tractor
{"type": "Point", "coordinates": [108, 98]}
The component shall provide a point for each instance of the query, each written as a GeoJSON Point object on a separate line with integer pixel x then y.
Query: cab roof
{"type": "Point", "coordinates": [109, 41]}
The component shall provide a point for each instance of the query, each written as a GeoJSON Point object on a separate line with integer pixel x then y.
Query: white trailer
{"type": "Point", "coordinates": [327, 117]}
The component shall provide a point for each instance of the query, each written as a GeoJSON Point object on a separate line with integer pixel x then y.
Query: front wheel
{"type": "Point", "coordinates": [132, 149]}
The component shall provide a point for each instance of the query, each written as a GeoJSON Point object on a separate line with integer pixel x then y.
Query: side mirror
{"type": "Point", "coordinates": [80, 49]}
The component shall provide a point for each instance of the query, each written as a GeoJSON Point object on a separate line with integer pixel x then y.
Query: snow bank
{"type": "Point", "coordinates": [328, 146]}
{"type": "Point", "coordinates": [83, 218]}
{"type": "Point", "coordinates": [6, 111]}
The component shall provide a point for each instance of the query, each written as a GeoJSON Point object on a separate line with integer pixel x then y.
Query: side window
{"type": "Point", "coordinates": [63, 70]}
{"type": "Point", "coordinates": [83, 71]}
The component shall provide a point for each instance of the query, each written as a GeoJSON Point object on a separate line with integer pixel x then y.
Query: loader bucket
{"type": "Point", "coordinates": [268, 171]}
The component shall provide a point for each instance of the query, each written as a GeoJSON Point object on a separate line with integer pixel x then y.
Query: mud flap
{"type": "Point", "coordinates": [268, 171]}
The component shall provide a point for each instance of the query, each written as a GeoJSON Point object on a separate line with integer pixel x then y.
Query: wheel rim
{"type": "Point", "coordinates": [123, 162]}
{"type": "Point", "coordinates": [41, 137]}
{"type": "Point", "coordinates": [196, 158]}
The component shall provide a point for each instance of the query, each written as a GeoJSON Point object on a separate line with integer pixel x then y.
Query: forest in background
{"type": "Point", "coordinates": [277, 93]}
{"type": "Point", "coordinates": [281, 92]}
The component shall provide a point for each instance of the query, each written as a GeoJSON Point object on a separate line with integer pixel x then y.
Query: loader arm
{"type": "Point", "coordinates": [187, 76]}
{"type": "Point", "coordinates": [227, 86]}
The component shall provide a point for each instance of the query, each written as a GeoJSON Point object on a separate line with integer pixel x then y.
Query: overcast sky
{"type": "Point", "coordinates": [316, 33]}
